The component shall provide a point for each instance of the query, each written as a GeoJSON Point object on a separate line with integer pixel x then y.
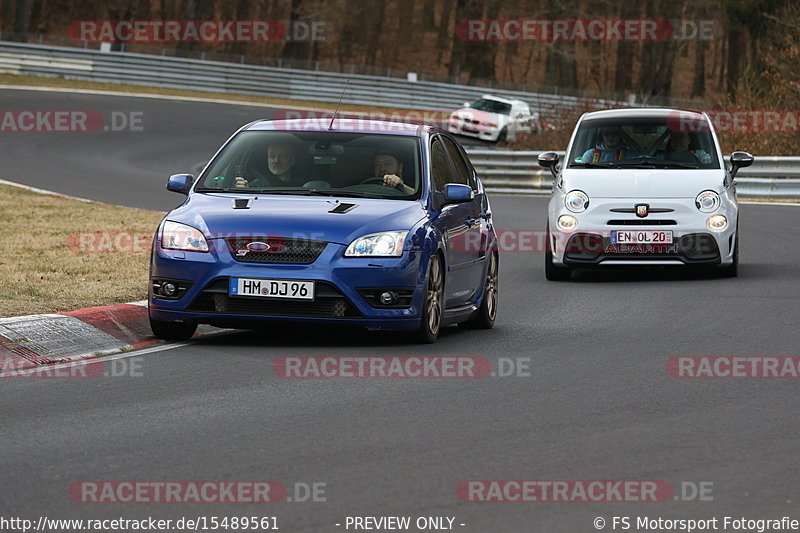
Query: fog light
{"type": "Point", "coordinates": [567, 223]}
{"type": "Point", "coordinates": [717, 223]}
{"type": "Point", "coordinates": [387, 298]}
{"type": "Point", "coordinates": [168, 289]}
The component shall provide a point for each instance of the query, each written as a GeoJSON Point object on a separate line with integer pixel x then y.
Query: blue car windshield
{"type": "Point", "coordinates": [317, 163]}
{"type": "Point", "coordinates": [645, 142]}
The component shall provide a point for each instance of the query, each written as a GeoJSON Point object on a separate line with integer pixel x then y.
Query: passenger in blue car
{"type": "Point", "coordinates": [611, 149]}
{"type": "Point", "coordinates": [388, 166]}
{"type": "Point", "coordinates": [279, 171]}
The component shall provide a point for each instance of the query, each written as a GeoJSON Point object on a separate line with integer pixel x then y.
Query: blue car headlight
{"type": "Point", "coordinates": [383, 244]}
{"type": "Point", "coordinates": [177, 236]}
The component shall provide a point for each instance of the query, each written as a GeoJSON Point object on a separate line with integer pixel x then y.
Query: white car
{"type": "Point", "coordinates": [643, 187]}
{"type": "Point", "coordinates": [493, 118]}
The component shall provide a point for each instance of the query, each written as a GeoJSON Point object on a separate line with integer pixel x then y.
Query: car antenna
{"type": "Point", "coordinates": [330, 127]}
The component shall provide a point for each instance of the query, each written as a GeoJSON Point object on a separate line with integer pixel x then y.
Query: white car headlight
{"type": "Point", "coordinates": [717, 223]}
{"type": "Point", "coordinates": [576, 201]}
{"type": "Point", "coordinates": [707, 201]}
{"type": "Point", "coordinates": [177, 236]}
{"type": "Point", "coordinates": [383, 244]}
{"type": "Point", "coordinates": [567, 223]}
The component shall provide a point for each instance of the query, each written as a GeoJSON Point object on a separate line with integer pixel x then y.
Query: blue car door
{"type": "Point", "coordinates": [460, 225]}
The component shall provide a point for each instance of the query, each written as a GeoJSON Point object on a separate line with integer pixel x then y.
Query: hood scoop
{"type": "Point", "coordinates": [242, 203]}
{"type": "Point", "coordinates": [343, 208]}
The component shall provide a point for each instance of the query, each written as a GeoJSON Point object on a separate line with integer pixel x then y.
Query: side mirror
{"type": "Point", "coordinates": [456, 193]}
{"type": "Point", "coordinates": [180, 183]}
{"type": "Point", "coordinates": [549, 160]}
{"type": "Point", "coordinates": [740, 160]}
{"type": "Point", "coordinates": [466, 104]}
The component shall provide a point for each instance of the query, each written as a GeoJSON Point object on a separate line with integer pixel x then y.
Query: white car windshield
{"type": "Point", "coordinates": [491, 106]}
{"type": "Point", "coordinates": [643, 143]}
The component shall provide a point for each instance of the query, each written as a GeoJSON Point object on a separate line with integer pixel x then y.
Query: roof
{"type": "Point", "coordinates": [341, 124]}
{"type": "Point", "coordinates": [503, 99]}
{"type": "Point", "coordinates": [643, 112]}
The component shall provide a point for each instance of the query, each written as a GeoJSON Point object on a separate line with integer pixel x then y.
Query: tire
{"type": "Point", "coordinates": [173, 331]}
{"type": "Point", "coordinates": [732, 270]}
{"type": "Point", "coordinates": [502, 136]}
{"type": "Point", "coordinates": [553, 272]}
{"type": "Point", "coordinates": [432, 307]}
{"type": "Point", "coordinates": [487, 312]}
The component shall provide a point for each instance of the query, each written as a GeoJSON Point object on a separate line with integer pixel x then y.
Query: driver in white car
{"type": "Point", "coordinates": [679, 143]}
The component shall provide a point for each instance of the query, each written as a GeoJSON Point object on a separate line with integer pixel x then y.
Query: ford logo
{"type": "Point", "coordinates": [257, 247]}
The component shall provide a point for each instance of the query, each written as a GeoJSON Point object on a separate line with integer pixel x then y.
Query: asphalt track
{"type": "Point", "coordinates": [598, 403]}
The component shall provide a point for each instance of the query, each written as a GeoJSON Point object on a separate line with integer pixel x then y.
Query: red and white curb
{"type": "Point", "coordinates": [36, 341]}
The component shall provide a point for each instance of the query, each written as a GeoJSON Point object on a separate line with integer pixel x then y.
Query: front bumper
{"type": "Point", "coordinates": [589, 245]}
{"type": "Point", "coordinates": [477, 131]}
{"type": "Point", "coordinates": [340, 289]}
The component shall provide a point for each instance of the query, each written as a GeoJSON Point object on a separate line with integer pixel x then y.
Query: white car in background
{"type": "Point", "coordinates": [493, 118]}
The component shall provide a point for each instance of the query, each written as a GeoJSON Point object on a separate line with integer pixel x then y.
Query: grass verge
{"type": "Point", "coordinates": [59, 254]}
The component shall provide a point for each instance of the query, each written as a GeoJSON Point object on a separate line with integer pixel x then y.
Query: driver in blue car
{"type": "Point", "coordinates": [280, 160]}
{"type": "Point", "coordinates": [612, 148]}
{"type": "Point", "coordinates": [387, 166]}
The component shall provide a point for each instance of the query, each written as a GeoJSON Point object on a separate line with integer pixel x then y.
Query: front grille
{"type": "Point", "coordinates": [641, 222]}
{"type": "Point", "coordinates": [277, 250]}
{"type": "Point", "coordinates": [328, 303]}
{"type": "Point", "coordinates": [693, 248]}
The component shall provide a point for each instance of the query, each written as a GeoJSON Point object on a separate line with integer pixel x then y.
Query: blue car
{"type": "Point", "coordinates": [358, 222]}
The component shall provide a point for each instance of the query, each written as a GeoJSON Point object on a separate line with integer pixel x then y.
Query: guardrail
{"type": "Point", "coordinates": [502, 170]}
{"type": "Point", "coordinates": [518, 172]}
{"type": "Point", "coordinates": [293, 84]}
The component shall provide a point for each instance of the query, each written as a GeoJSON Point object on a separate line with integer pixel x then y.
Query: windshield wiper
{"type": "Point", "coordinates": [299, 192]}
{"type": "Point", "coordinates": [238, 190]}
{"type": "Point", "coordinates": [599, 164]}
{"type": "Point", "coordinates": [656, 163]}
{"type": "Point", "coordinates": [331, 192]}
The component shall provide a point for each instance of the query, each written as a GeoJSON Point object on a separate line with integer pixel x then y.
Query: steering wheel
{"type": "Point", "coordinates": [376, 181]}
{"type": "Point", "coordinates": [684, 156]}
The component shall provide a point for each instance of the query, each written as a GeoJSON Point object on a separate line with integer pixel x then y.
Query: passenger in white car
{"type": "Point", "coordinates": [612, 148]}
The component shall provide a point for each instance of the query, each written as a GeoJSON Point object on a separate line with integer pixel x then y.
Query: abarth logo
{"type": "Point", "coordinates": [641, 210]}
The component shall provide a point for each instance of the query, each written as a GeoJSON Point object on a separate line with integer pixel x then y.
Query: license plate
{"type": "Point", "coordinates": [641, 237]}
{"type": "Point", "coordinates": [272, 288]}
